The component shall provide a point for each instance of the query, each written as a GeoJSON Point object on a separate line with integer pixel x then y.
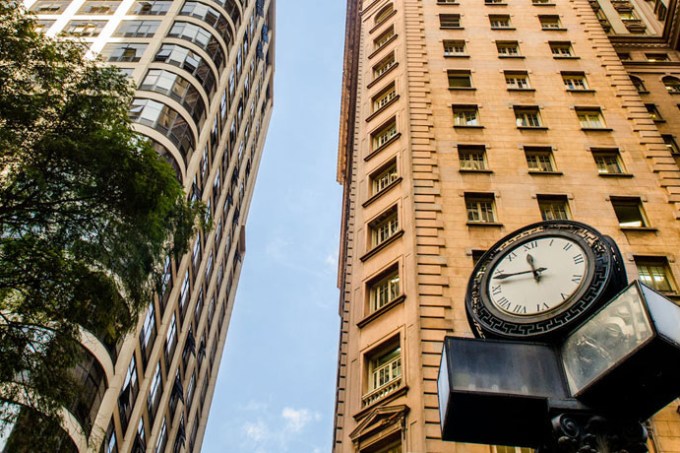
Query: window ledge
{"type": "Point", "coordinates": [616, 175]}
{"type": "Point", "coordinates": [456, 56]}
{"type": "Point", "coordinates": [672, 92]}
{"type": "Point", "coordinates": [382, 76]}
{"type": "Point", "coordinates": [382, 310]}
{"type": "Point", "coordinates": [484, 224]}
{"type": "Point", "coordinates": [375, 250]}
{"type": "Point", "coordinates": [382, 109]}
{"type": "Point", "coordinates": [657, 121]}
{"type": "Point", "coordinates": [580, 91]}
{"type": "Point", "coordinates": [512, 56]}
{"type": "Point", "coordinates": [496, 4]}
{"type": "Point", "coordinates": [597, 129]}
{"type": "Point", "coordinates": [543, 4]}
{"type": "Point", "coordinates": [503, 28]}
{"type": "Point", "coordinates": [471, 170]}
{"type": "Point", "coordinates": [532, 128]}
{"type": "Point", "coordinates": [554, 29]}
{"type": "Point", "coordinates": [522, 89]}
{"type": "Point", "coordinates": [462, 88]}
{"type": "Point", "coordinates": [451, 28]}
{"type": "Point", "coordinates": [385, 44]}
{"type": "Point", "coordinates": [383, 22]}
{"type": "Point", "coordinates": [447, 4]}
{"type": "Point", "coordinates": [380, 194]}
{"type": "Point", "coordinates": [387, 398]}
{"type": "Point", "coordinates": [643, 92]}
{"type": "Point", "coordinates": [385, 145]}
{"type": "Point", "coordinates": [545, 173]}
{"type": "Point", "coordinates": [565, 58]}
{"type": "Point", "coordinates": [468, 127]}
{"type": "Point", "coordinates": [641, 229]}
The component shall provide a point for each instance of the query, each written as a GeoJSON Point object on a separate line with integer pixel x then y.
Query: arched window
{"type": "Point", "coordinates": [384, 13]}
{"type": "Point", "coordinates": [672, 84]}
{"type": "Point", "coordinates": [639, 84]}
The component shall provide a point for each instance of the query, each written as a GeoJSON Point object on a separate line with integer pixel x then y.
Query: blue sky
{"type": "Point", "coordinates": [276, 386]}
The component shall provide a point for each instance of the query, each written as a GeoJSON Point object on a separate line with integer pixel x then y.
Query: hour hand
{"type": "Point", "coordinates": [533, 271]}
{"type": "Point", "coordinates": [530, 260]}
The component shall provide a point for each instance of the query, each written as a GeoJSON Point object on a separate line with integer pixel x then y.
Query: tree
{"type": "Point", "coordinates": [88, 212]}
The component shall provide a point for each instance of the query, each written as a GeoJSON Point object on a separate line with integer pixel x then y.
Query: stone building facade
{"type": "Point", "coordinates": [464, 120]}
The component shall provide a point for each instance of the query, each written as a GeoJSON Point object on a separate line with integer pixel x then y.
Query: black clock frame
{"type": "Point", "coordinates": [604, 278]}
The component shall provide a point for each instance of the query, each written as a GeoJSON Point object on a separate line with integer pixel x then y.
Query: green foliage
{"type": "Point", "coordinates": [88, 210]}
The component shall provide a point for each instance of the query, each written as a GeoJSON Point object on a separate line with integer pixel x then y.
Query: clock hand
{"type": "Point", "coordinates": [530, 260]}
{"type": "Point", "coordinates": [504, 276]}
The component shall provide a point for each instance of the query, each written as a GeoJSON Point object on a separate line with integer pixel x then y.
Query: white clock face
{"type": "Point", "coordinates": [537, 276]}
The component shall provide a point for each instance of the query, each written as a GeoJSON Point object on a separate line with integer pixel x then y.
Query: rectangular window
{"type": "Point", "coordinates": [454, 48]}
{"type": "Point", "coordinates": [449, 21]}
{"type": "Point", "coordinates": [480, 208]}
{"type": "Point", "coordinates": [170, 340]}
{"type": "Point", "coordinates": [383, 38]}
{"type": "Point", "coordinates": [500, 22]}
{"type": "Point", "coordinates": [99, 7]}
{"type": "Point", "coordinates": [561, 49]}
{"type": "Point", "coordinates": [508, 49]}
{"type": "Point", "coordinates": [447, 2]}
{"type": "Point", "coordinates": [472, 157]}
{"type": "Point", "coordinates": [84, 28]}
{"type": "Point", "coordinates": [384, 373]}
{"type": "Point", "coordinates": [541, 2]}
{"type": "Point", "coordinates": [550, 22]}
{"type": "Point", "coordinates": [383, 290]}
{"type": "Point", "coordinates": [162, 438]}
{"type": "Point", "coordinates": [384, 65]}
{"type": "Point", "coordinates": [137, 28]}
{"type": "Point", "coordinates": [554, 207]}
{"type": "Point", "coordinates": [629, 212]}
{"type": "Point", "coordinates": [49, 7]}
{"type": "Point", "coordinates": [148, 333]}
{"type": "Point", "coordinates": [459, 80]}
{"type": "Point", "coordinates": [654, 113]}
{"type": "Point", "coordinates": [527, 117]}
{"type": "Point", "coordinates": [384, 227]}
{"type": "Point", "coordinates": [151, 7]}
{"type": "Point", "coordinates": [384, 97]}
{"type": "Point", "coordinates": [383, 135]}
{"type": "Point", "coordinates": [539, 159]}
{"type": "Point", "coordinates": [465, 116]}
{"type": "Point", "coordinates": [590, 118]}
{"type": "Point", "coordinates": [494, 2]}
{"type": "Point", "coordinates": [155, 392]}
{"type": "Point", "coordinates": [575, 81]}
{"type": "Point", "coordinates": [384, 177]}
{"type": "Point", "coordinates": [655, 273]}
{"type": "Point", "coordinates": [672, 146]}
{"type": "Point", "coordinates": [608, 162]}
{"type": "Point", "coordinates": [127, 52]}
{"type": "Point", "coordinates": [517, 80]}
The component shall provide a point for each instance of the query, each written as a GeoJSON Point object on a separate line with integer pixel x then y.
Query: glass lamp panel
{"type": "Point", "coordinates": [606, 339]}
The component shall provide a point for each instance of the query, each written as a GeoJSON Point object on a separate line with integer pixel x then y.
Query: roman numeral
{"type": "Point", "coordinates": [551, 243]}
{"type": "Point", "coordinates": [503, 302]}
{"type": "Point", "coordinates": [519, 309]}
{"type": "Point", "coordinates": [496, 290]}
{"type": "Point", "coordinates": [512, 256]}
{"type": "Point", "coordinates": [531, 245]}
{"type": "Point", "coordinates": [576, 278]}
{"type": "Point", "coordinates": [567, 246]}
{"type": "Point", "coordinates": [541, 307]}
{"type": "Point", "coordinates": [578, 259]}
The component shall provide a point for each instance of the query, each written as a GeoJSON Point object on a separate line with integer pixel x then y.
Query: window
{"type": "Point", "coordinates": [148, 332]}
{"type": "Point", "coordinates": [527, 117]}
{"type": "Point", "coordinates": [672, 84]}
{"type": "Point", "coordinates": [550, 22]}
{"type": "Point", "coordinates": [384, 14]}
{"type": "Point", "coordinates": [639, 85]}
{"type": "Point", "coordinates": [655, 273]}
{"type": "Point", "coordinates": [541, 2]}
{"type": "Point", "coordinates": [383, 38]}
{"type": "Point", "coordinates": [575, 81]}
{"type": "Point", "coordinates": [590, 118]}
{"type": "Point", "coordinates": [629, 212]}
{"type": "Point", "coordinates": [553, 207]}
{"type": "Point", "coordinates": [480, 208]}
{"type": "Point", "coordinates": [151, 7]}
{"type": "Point", "coordinates": [465, 116]}
{"type": "Point", "coordinates": [155, 392]}
{"type": "Point", "coordinates": [170, 340]}
{"type": "Point", "coordinates": [507, 449]}
{"type": "Point", "coordinates": [384, 177]}
{"type": "Point", "coordinates": [561, 49]}
{"type": "Point", "coordinates": [128, 393]}
{"type": "Point", "coordinates": [449, 21]}
{"type": "Point", "coordinates": [383, 290]}
{"type": "Point", "coordinates": [447, 2]}
{"type": "Point", "coordinates": [608, 162]}
{"type": "Point", "coordinates": [508, 49]}
{"type": "Point", "coordinates": [627, 15]}
{"type": "Point", "coordinates": [472, 157]}
{"type": "Point", "coordinates": [162, 438]}
{"type": "Point", "coordinates": [49, 7]}
{"type": "Point", "coordinates": [500, 22]}
{"type": "Point", "coordinates": [517, 80]}
{"type": "Point", "coordinates": [110, 441]}
{"type": "Point", "coordinates": [654, 113]}
{"type": "Point", "coordinates": [652, 57]}
{"type": "Point", "coordinates": [539, 159]}
{"type": "Point", "coordinates": [83, 28]}
{"type": "Point", "coordinates": [384, 97]}
{"type": "Point", "coordinates": [454, 48]}
{"type": "Point", "coordinates": [127, 52]}
{"type": "Point", "coordinates": [390, 446]}
{"type": "Point", "coordinates": [382, 136]}
{"type": "Point", "coordinates": [624, 56]}
{"type": "Point", "coordinates": [137, 28]}
{"type": "Point", "coordinates": [384, 65]}
{"type": "Point", "coordinates": [384, 227]}
{"type": "Point", "coordinates": [384, 373]}
{"type": "Point", "coordinates": [671, 144]}
{"type": "Point", "coordinates": [459, 80]}
{"type": "Point", "coordinates": [99, 7]}
{"type": "Point", "coordinates": [41, 26]}
{"type": "Point", "coordinates": [494, 2]}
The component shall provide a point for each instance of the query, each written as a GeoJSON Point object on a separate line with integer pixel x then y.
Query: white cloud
{"type": "Point", "coordinates": [297, 419]}
{"type": "Point", "coordinates": [256, 432]}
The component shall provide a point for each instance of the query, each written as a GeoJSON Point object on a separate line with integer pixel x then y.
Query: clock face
{"type": "Point", "coordinates": [537, 276]}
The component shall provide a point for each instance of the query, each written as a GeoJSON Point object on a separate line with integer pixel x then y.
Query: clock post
{"type": "Point", "coordinates": [568, 356]}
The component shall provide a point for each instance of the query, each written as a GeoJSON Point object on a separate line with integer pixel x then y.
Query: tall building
{"type": "Point", "coordinates": [203, 71]}
{"type": "Point", "coordinates": [462, 121]}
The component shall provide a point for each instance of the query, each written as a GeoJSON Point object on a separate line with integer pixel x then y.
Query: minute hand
{"type": "Point", "coordinates": [504, 276]}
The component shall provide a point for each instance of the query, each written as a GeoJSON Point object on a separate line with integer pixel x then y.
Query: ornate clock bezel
{"type": "Point", "coordinates": [603, 276]}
